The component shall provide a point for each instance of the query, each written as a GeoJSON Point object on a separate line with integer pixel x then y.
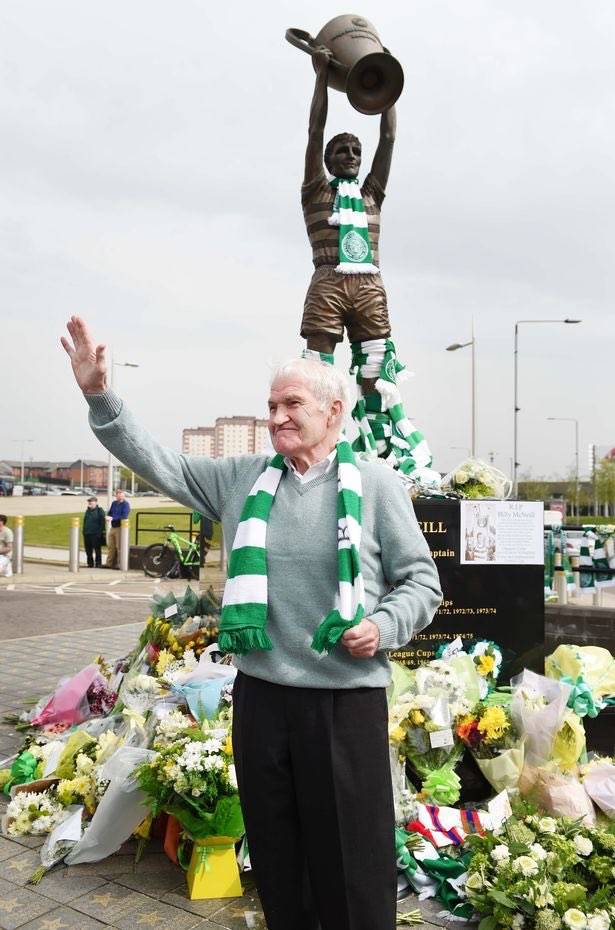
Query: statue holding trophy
{"type": "Point", "coordinates": [342, 219]}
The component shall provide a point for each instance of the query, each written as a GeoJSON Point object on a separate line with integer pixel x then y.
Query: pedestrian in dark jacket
{"type": "Point", "coordinates": [93, 532]}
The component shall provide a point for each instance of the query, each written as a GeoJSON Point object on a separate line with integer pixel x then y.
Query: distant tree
{"type": "Point", "coordinates": [605, 485]}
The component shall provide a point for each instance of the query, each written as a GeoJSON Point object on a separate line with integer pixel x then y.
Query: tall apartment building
{"type": "Point", "coordinates": [229, 436]}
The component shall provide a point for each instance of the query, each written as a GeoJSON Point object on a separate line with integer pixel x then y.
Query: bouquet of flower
{"type": "Point", "coordinates": [599, 782]}
{"type": "Point", "coordinates": [33, 813]}
{"type": "Point", "coordinates": [475, 479]}
{"type": "Point", "coordinates": [542, 873]}
{"type": "Point", "coordinates": [557, 793]}
{"type": "Point", "coordinates": [170, 727]}
{"type": "Point", "coordinates": [194, 779]}
{"type": "Point", "coordinates": [491, 736]}
{"type": "Point", "coordinates": [487, 658]}
{"type": "Point", "coordinates": [420, 726]}
{"type": "Point", "coordinates": [538, 709]}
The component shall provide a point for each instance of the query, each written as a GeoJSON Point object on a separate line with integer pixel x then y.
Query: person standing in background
{"type": "Point", "coordinates": [94, 526]}
{"type": "Point", "coordinates": [118, 511]}
{"type": "Point", "coordinates": [6, 548]}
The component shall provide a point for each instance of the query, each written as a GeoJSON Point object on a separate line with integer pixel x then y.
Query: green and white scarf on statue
{"type": "Point", "coordinates": [384, 428]}
{"type": "Point", "coordinates": [355, 251]}
{"type": "Point", "coordinates": [243, 623]}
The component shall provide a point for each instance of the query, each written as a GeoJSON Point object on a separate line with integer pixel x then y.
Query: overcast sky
{"type": "Point", "coordinates": [150, 161]}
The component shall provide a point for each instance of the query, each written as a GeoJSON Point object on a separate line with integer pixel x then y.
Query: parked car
{"type": "Point", "coordinates": [70, 492]}
{"type": "Point", "coordinates": [53, 490]}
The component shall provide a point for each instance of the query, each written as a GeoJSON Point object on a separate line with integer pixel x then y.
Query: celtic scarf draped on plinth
{"type": "Point", "coordinates": [243, 624]}
{"type": "Point", "coordinates": [355, 251]}
{"type": "Point", "coordinates": [384, 428]}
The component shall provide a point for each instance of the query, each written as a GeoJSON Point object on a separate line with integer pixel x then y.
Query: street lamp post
{"type": "Point", "coordinates": [22, 456]}
{"type": "Point", "coordinates": [463, 345]}
{"type": "Point", "coordinates": [516, 392]}
{"type": "Point", "coordinates": [113, 365]}
{"type": "Point", "coordinates": [576, 456]}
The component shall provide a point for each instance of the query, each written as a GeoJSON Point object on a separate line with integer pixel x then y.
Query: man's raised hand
{"type": "Point", "coordinates": [87, 358]}
{"type": "Point", "coordinates": [322, 56]}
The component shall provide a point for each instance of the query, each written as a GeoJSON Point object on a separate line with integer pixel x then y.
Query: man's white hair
{"type": "Point", "coordinates": [323, 380]}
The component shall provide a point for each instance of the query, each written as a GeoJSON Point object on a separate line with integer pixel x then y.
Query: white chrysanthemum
{"type": "Point", "coordinates": [547, 825]}
{"type": "Point", "coordinates": [599, 920]}
{"type": "Point", "coordinates": [501, 853]}
{"type": "Point", "coordinates": [525, 865]}
{"type": "Point", "coordinates": [538, 852]}
{"type": "Point", "coordinates": [575, 919]}
{"type": "Point", "coordinates": [583, 845]}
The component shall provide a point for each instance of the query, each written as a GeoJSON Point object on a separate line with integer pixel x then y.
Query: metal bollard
{"type": "Point", "coordinates": [18, 546]}
{"type": "Point", "coordinates": [223, 557]}
{"type": "Point", "coordinates": [73, 546]}
{"type": "Point", "coordinates": [560, 585]}
{"type": "Point", "coordinates": [598, 597]}
{"type": "Point", "coordinates": [124, 545]}
{"type": "Point", "coordinates": [575, 564]}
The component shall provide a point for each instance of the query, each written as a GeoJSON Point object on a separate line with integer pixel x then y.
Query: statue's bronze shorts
{"type": "Point", "coordinates": [356, 301]}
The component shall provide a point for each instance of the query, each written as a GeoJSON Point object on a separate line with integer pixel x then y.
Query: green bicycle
{"type": "Point", "coordinates": [163, 560]}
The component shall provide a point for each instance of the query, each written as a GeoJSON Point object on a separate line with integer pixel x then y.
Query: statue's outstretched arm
{"type": "Point", "coordinates": [318, 116]}
{"type": "Point", "coordinates": [381, 165]}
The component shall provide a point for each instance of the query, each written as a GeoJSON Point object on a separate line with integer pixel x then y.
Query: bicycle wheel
{"type": "Point", "coordinates": [158, 560]}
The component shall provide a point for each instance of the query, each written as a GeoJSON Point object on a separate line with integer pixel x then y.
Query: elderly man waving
{"type": "Point", "coordinates": [328, 570]}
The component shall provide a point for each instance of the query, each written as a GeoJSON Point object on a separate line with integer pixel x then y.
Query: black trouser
{"type": "Point", "coordinates": [315, 785]}
{"type": "Point", "coordinates": [92, 549]}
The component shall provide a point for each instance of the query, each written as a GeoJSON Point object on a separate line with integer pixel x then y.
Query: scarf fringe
{"type": "Point", "coordinates": [332, 628]}
{"type": "Point", "coordinates": [359, 268]}
{"type": "Point", "coordinates": [239, 642]}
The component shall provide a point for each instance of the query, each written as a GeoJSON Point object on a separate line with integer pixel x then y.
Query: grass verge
{"type": "Point", "coordinates": [54, 529]}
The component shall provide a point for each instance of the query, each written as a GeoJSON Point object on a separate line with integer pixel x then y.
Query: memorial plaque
{"type": "Point", "coordinates": [483, 598]}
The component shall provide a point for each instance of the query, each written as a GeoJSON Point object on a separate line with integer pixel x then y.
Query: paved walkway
{"type": "Point", "coordinates": [115, 893]}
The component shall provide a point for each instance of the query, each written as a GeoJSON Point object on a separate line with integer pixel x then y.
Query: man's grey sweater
{"type": "Point", "coordinates": [402, 590]}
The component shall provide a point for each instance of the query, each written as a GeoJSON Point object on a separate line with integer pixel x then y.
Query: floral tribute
{"type": "Point", "coordinates": [193, 779]}
{"type": "Point", "coordinates": [543, 873]}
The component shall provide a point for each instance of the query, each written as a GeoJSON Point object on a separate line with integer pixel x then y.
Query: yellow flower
{"type": "Point", "coordinates": [417, 717]}
{"type": "Point", "coordinates": [228, 746]}
{"type": "Point", "coordinates": [164, 660]}
{"type": "Point", "coordinates": [494, 723]}
{"type": "Point", "coordinates": [397, 734]}
{"type": "Point", "coordinates": [486, 665]}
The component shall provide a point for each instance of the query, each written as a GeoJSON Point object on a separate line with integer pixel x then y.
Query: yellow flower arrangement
{"type": "Point", "coordinates": [417, 717]}
{"type": "Point", "coordinates": [494, 723]}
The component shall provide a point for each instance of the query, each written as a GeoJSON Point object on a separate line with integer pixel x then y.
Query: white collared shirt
{"type": "Point", "coordinates": [314, 471]}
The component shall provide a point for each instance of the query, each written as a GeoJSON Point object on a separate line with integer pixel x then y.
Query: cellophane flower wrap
{"type": "Point", "coordinates": [421, 728]}
{"type": "Point", "coordinates": [194, 779]}
{"type": "Point", "coordinates": [491, 736]}
{"type": "Point", "coordinates": [538, 708]}
{"type": "Point", "coordinates": [542, 873]}
{"type": "Point", "coordinates": [599, 781]}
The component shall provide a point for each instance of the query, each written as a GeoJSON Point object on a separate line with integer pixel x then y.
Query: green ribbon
{"type": "Point", "coordinates": [442, 786]}
{"type": "Point", "coordinates": [23, 771]}
{"type": "Point", "coordinates": [202, 851]}
{"type": "Point", "coordinates": [581, 699]}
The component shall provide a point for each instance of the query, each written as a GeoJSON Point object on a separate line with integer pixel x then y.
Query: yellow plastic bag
{"type": "Point", "coordinates": [593, 663]}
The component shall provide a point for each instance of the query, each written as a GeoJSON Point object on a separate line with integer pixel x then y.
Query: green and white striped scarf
{"type": "Point", "coordinates": [384, 428]}
{"type": "Point", "coordinates": [243, 624]}
{"type": "Point", "coordinates": [355, 251]}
